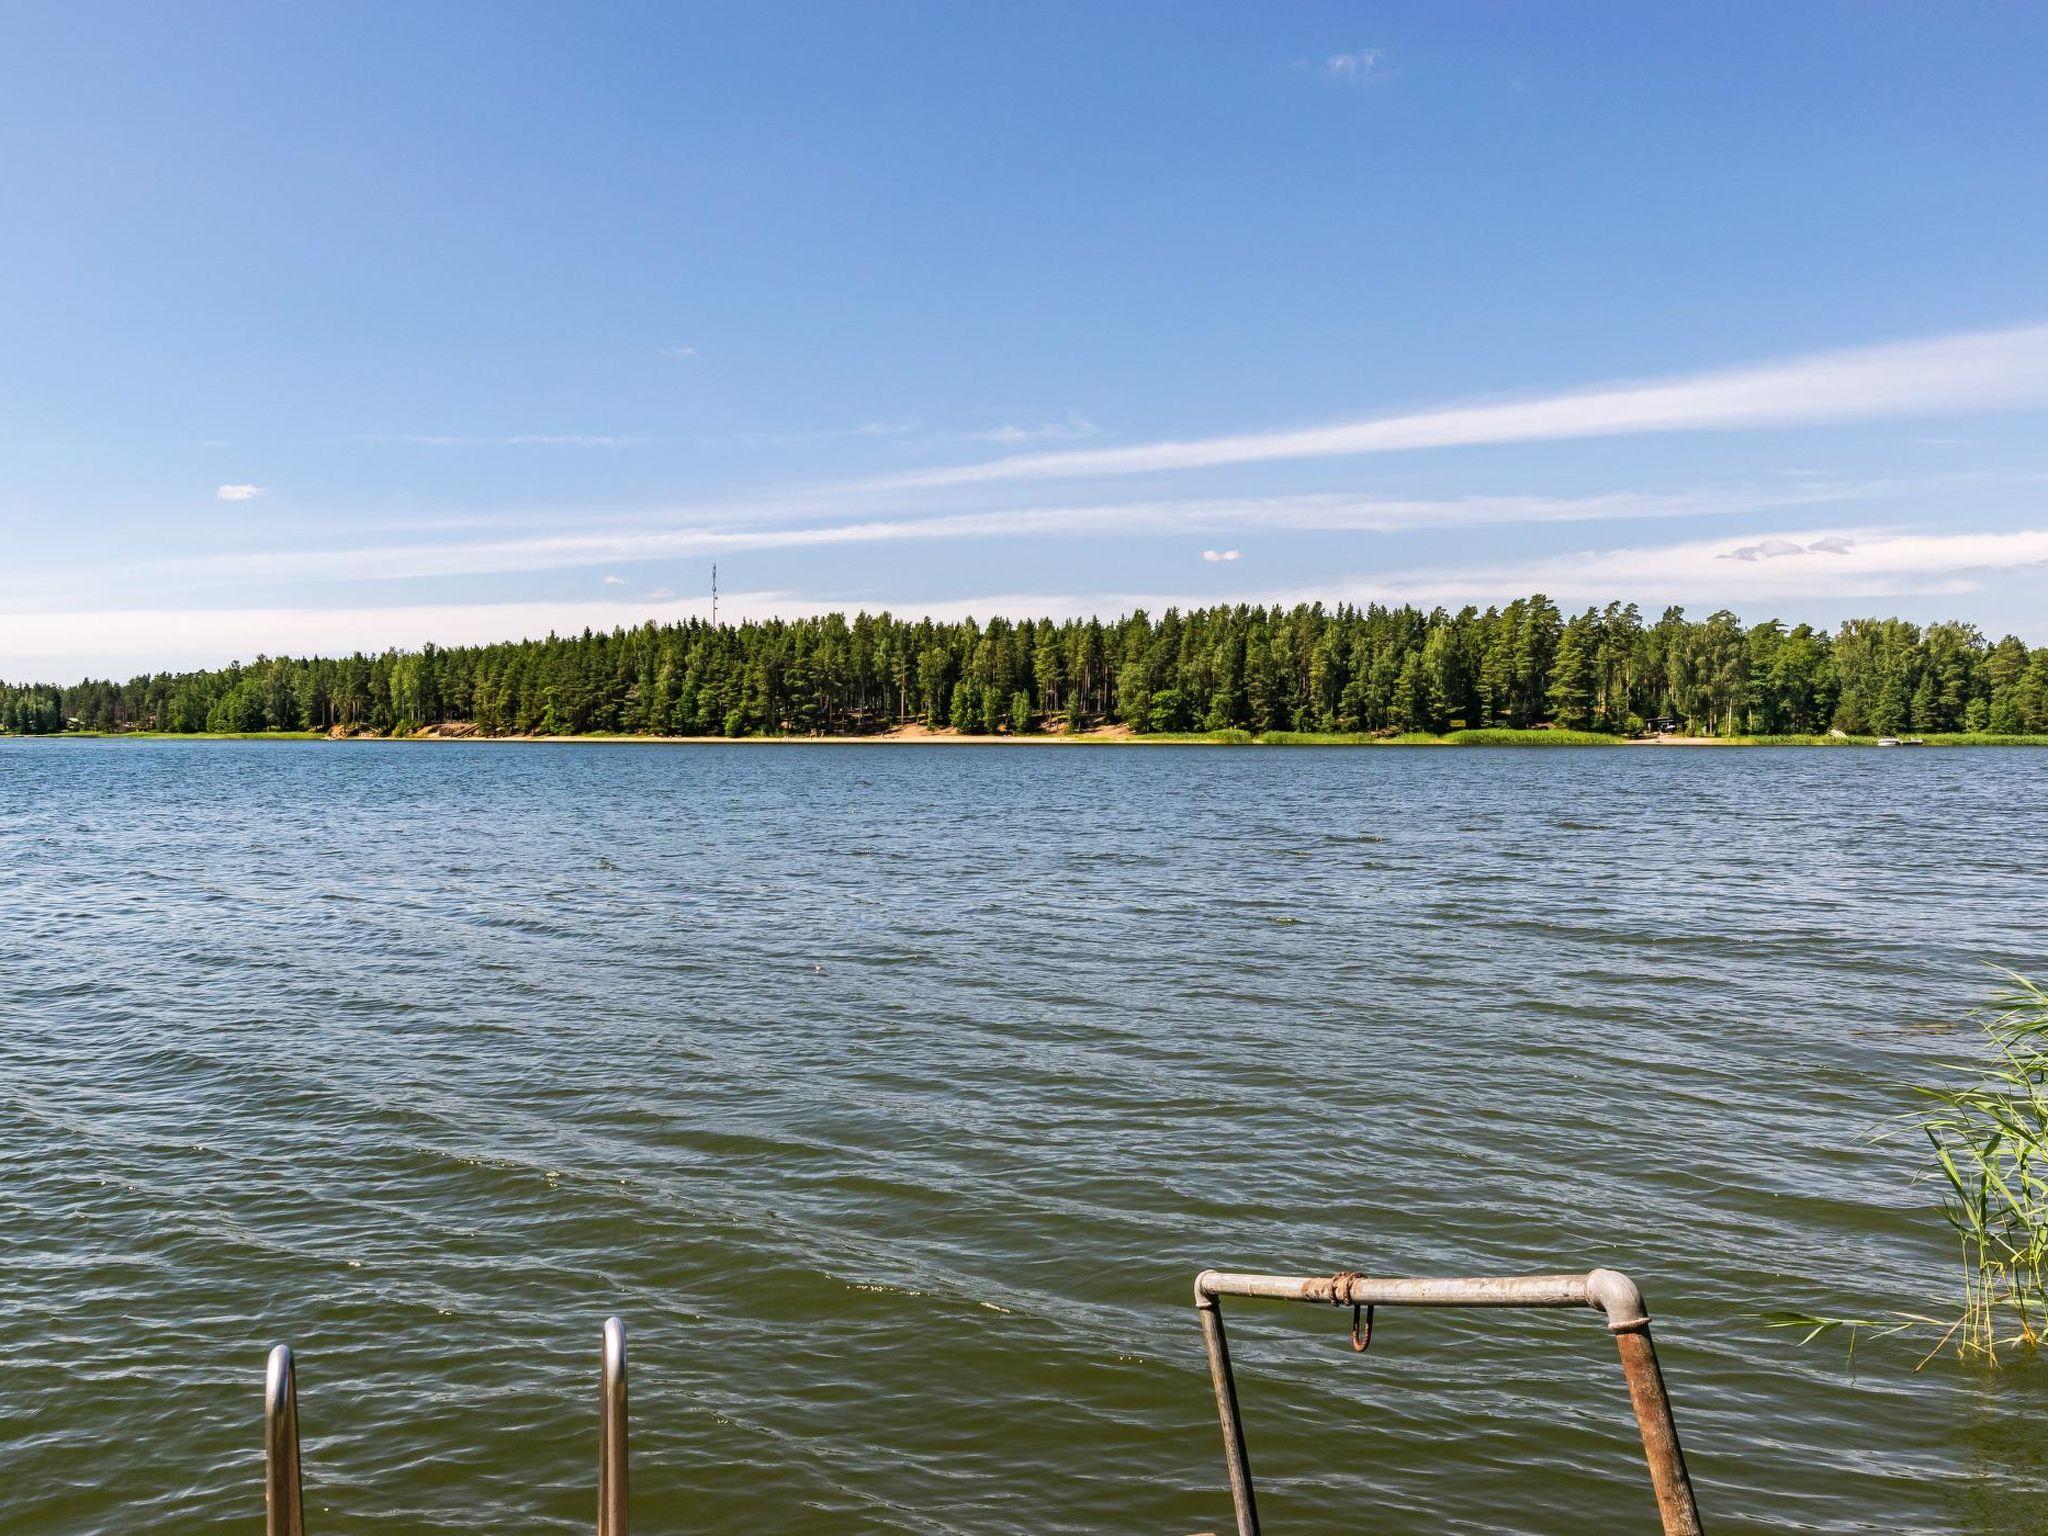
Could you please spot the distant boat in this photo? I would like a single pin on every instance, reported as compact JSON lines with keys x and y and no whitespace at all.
{"x":1887,"y":741}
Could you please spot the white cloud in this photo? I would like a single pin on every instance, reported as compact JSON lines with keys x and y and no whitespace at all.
{"x":678,"y":351}
{"x":1825,"y":563}
{"x":239,"y":492}
{"x":1842,"y":564}
{"x":615,"y":581}
{"x":1778,"y":549}
{"x":1769,"y":549}
{"x":1354,"y":67}
{"x":1324,"y":513}
{"x":517,"y":440}
{"x":820,"y":434}
{"x":1046,"y":432}
{"x":1213,"y":555}
{"x":1981,"y":370}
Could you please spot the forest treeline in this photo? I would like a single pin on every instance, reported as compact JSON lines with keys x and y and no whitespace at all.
{"x":1309,"y":668}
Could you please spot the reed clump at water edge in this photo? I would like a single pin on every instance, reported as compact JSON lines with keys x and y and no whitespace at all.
{"x":1988,"y":1134}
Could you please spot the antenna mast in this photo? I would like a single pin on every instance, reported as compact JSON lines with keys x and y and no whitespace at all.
{"x":714,"y":594}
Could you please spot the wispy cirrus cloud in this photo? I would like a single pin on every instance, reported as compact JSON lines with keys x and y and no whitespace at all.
{"x":1844,"y":564}
{"x":1980,"y":370}
{"x":776,"y":438}
{"x":1823,"y":565}
{"x":1829,"y":563}
{"x":1011,"y":434}
{"x":514,"y":440}
{"x":1312,"y":513}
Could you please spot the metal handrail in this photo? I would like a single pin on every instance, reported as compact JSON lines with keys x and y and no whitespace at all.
{"x":283,"y":1512}
{"x":284,"y":1508}
{"x":612,"y":1512}
{"x":1605,"y":1290}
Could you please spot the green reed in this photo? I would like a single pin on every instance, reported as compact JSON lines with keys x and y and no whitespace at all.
{"x":1557,"y":737}
{"x":1989,"y":1139}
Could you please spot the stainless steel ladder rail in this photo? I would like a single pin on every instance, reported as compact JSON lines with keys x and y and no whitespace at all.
{"x":612,"y":1513}
{"x":1605,"y":1290}
{"x":284,"y":1512}
{"x":283,"y":1501}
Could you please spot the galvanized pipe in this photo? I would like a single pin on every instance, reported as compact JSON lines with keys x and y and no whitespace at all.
{"x":1606,"y":1290}
{"x":1379,"y":1291}
{"x":283,"y":1511}
{"x":612,"y":1511}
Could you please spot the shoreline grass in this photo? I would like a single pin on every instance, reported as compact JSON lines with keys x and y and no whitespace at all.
{"x":1487,"y":737}
{"x":164,"y":736}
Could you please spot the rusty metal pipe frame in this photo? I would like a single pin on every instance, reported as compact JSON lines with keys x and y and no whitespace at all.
{"x":1607,"y":1291}
{"x":283,"y":1511}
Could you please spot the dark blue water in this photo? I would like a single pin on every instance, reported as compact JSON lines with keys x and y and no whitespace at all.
{"x":894,"y":1094}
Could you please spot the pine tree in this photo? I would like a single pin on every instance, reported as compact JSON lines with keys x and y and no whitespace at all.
{"x":1574,"y":679}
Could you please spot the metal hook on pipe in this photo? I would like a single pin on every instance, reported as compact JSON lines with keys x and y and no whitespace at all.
{"x":283,"y":1510}
{"x":1361,"y":1314}
{"x":612,"y":1502}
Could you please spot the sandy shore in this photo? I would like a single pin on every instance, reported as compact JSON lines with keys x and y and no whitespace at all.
{"x":916,"y":736}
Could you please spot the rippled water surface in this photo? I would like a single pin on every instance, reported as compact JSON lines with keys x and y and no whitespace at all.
{"x":894,"y":1094}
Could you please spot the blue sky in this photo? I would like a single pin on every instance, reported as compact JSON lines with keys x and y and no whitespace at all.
{"x":325,"y":328}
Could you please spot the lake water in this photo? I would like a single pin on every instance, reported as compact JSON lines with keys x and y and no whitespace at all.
{"x":894,"y":1095}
